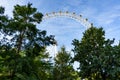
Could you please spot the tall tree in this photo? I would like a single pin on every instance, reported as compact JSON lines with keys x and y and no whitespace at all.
{"x":63,"y":68}
{"x":97,"y":57}
{"x":23,"y":56}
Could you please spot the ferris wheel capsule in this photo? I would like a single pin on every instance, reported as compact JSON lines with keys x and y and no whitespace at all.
{"x":53,"y":12}
{"x":46,"y":14}
{"x":60,"y":11}
{"x":80,"y":15}
{"x":67,"y":12}
{"x":86,"y":19}
{"x":91,"y":24}
{"x":73,"y":12}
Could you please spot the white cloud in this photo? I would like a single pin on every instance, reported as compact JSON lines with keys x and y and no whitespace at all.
{"x":117,"y":7}
{"x":9,"y":5}
{"x":108,"y":16}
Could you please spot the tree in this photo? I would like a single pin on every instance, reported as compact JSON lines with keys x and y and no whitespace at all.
{"x":3,"y":23}
{"x":63,"y":69}
{"x":97,"y":57}
{"x":22,"y":55}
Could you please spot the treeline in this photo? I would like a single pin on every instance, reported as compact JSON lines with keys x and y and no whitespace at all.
{"x":23,"y":51}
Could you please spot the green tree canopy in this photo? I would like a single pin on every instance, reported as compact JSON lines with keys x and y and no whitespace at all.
{"x":22,"y":48}
{"x":98,"y":59}
{"x":63,"y":68}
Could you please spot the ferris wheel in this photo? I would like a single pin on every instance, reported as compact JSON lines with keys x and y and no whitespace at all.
{"x":78,"y":18}
{"x":74,"y":16}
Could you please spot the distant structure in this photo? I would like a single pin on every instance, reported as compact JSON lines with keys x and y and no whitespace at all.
{"x":74,"y":16}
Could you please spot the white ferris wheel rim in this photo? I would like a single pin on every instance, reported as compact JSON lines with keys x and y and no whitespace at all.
{"x":79,"y":18}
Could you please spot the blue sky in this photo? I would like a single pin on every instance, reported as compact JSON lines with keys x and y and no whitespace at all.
{"x":102,"y":13}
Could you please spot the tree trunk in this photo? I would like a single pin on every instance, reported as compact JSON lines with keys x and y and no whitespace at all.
{"x":103,"y":75}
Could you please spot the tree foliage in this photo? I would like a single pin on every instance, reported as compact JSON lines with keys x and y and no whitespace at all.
{"x":98,"y":58}
{"x":63,"y":68}
{"x":22,"y":48}
{"x":23,"y":51}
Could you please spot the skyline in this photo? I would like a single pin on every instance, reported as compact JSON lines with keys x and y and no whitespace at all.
{"x":101,"y":13}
